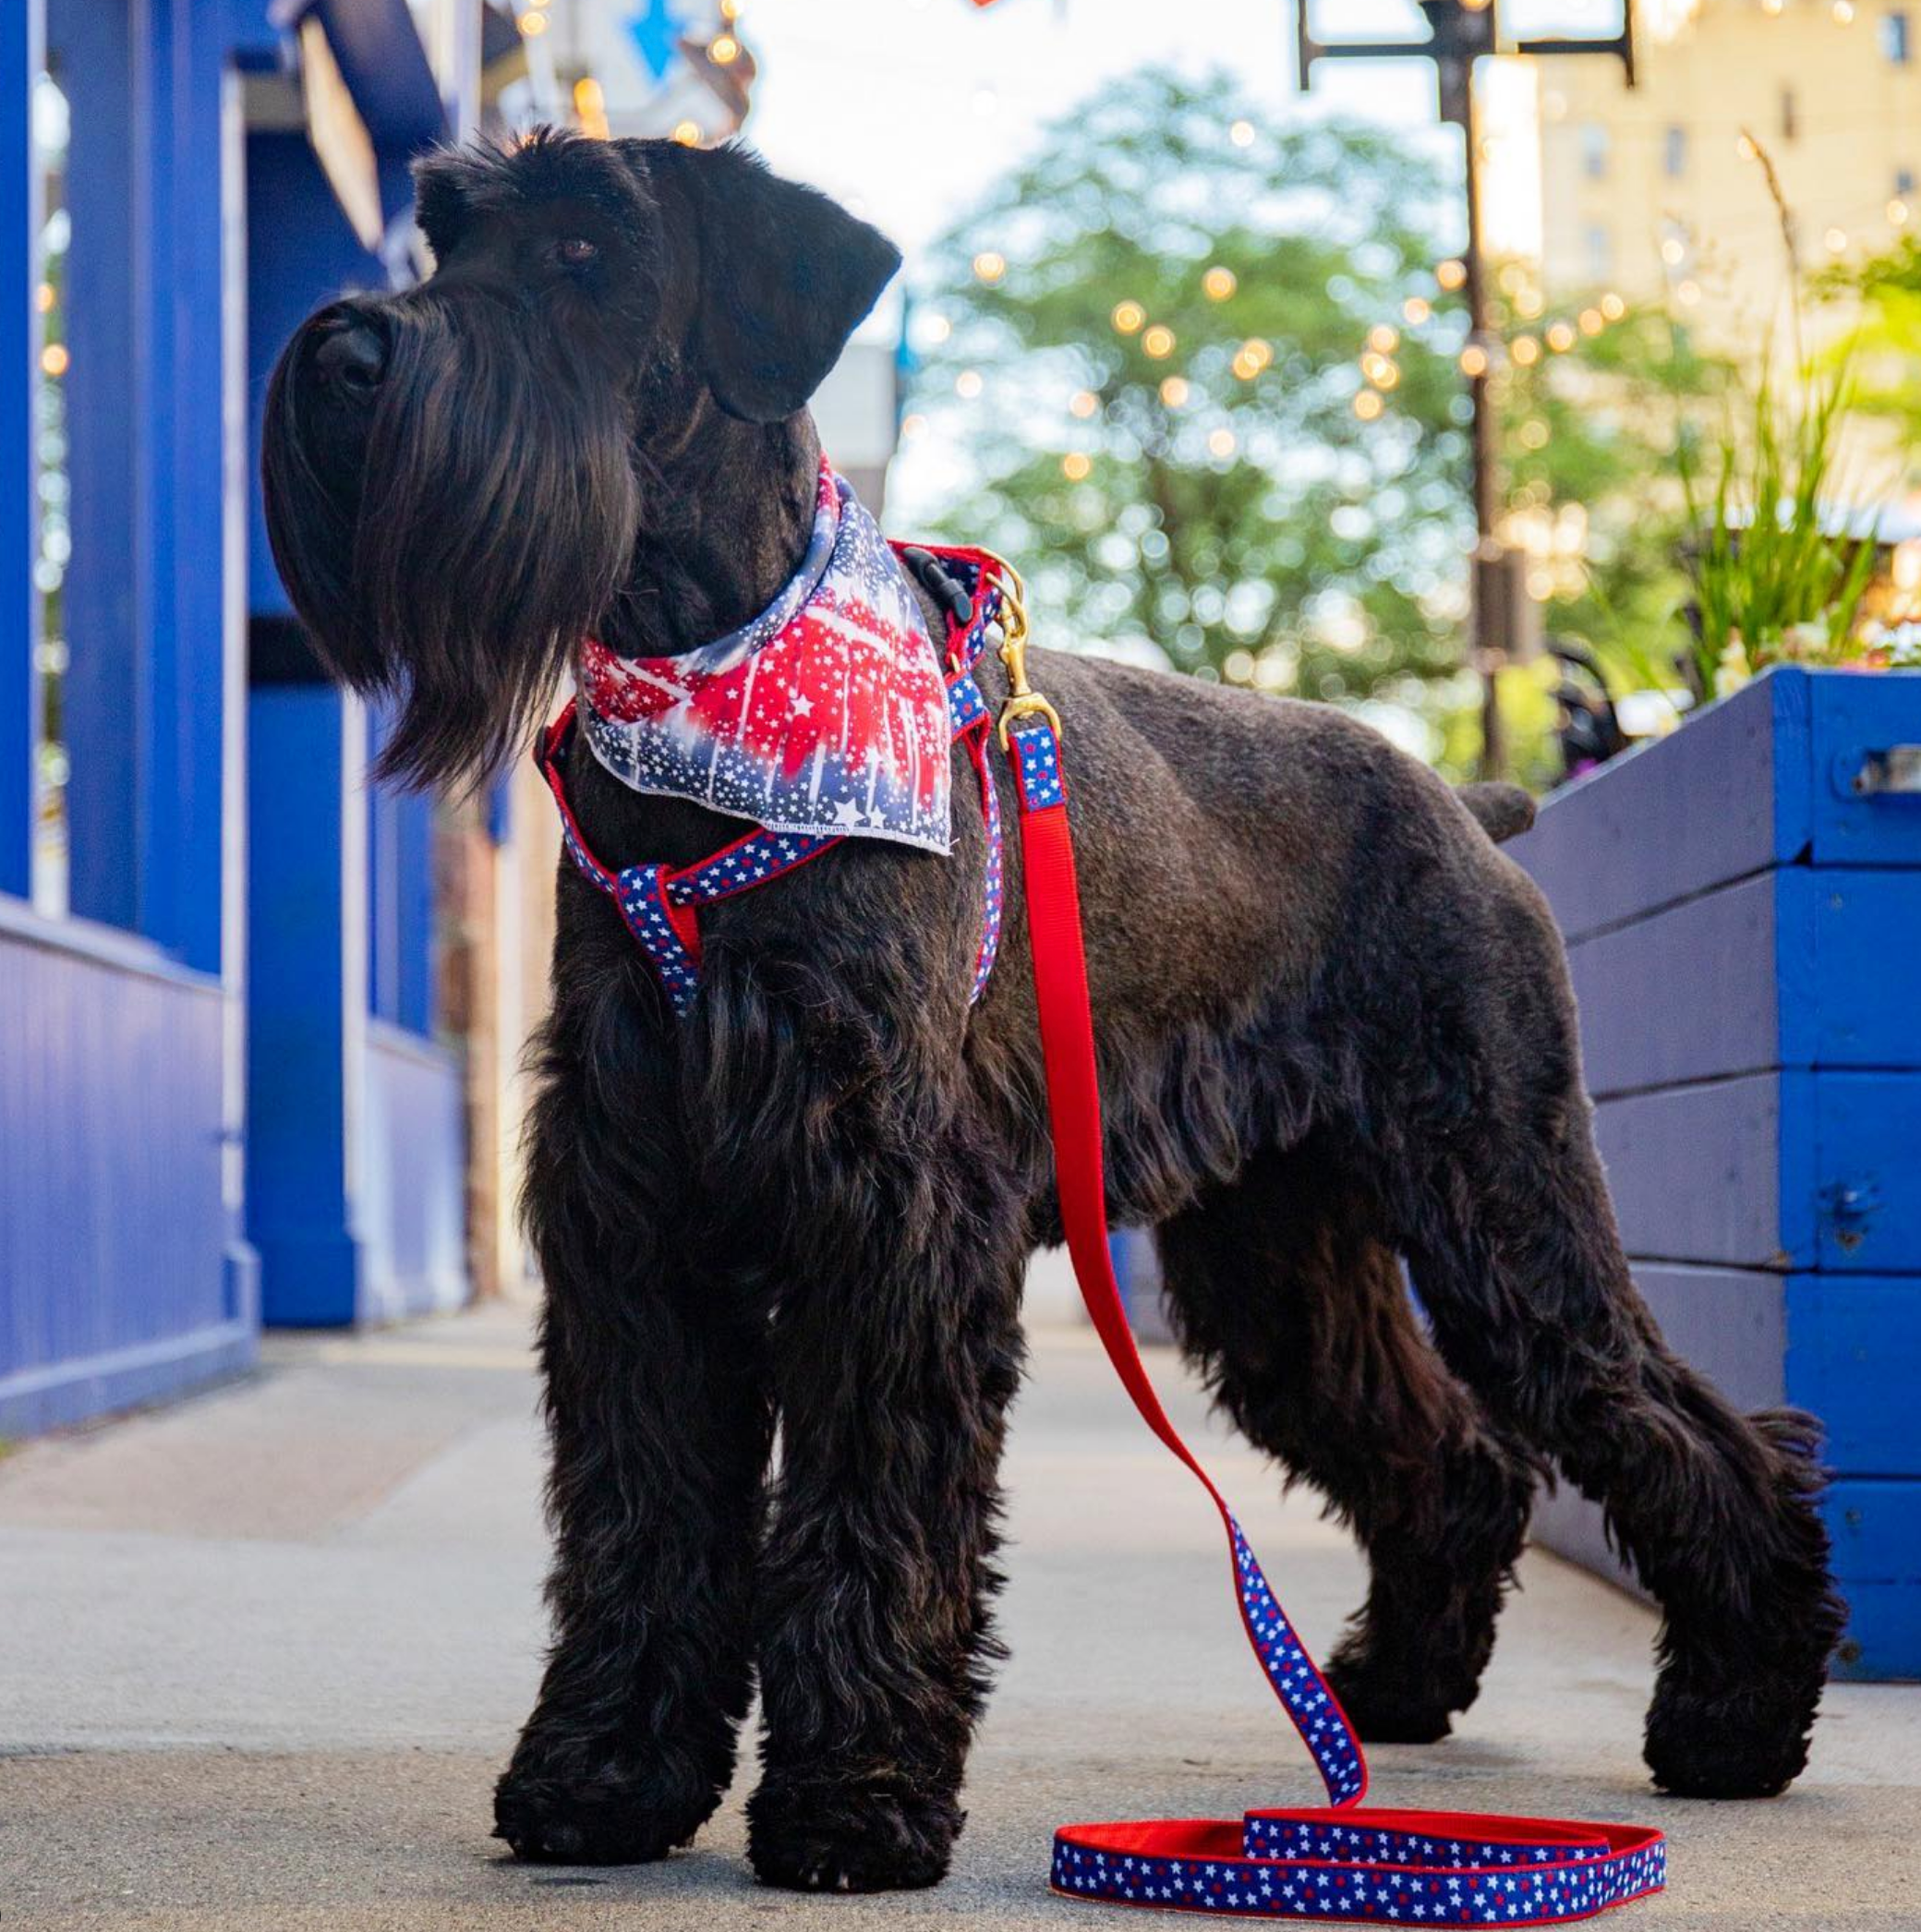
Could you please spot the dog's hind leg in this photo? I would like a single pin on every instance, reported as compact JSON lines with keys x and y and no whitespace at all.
{"x":1286,"y":1295}
{"x":1514,"y":1249}
{"x":895,"y":1361}
{"x":662,"y":1426}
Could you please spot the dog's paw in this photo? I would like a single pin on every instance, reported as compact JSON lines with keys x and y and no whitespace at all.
{"x":608,"y":1815}
{"x":1383,"y":1707}
{"x":816,"y":1835}
{"x":1748,"y":1743}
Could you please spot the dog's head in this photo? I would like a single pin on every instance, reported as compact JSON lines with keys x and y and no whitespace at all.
{"x":457,"y":478}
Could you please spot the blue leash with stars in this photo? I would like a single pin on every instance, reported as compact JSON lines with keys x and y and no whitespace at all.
{"x":1342,"y":1861}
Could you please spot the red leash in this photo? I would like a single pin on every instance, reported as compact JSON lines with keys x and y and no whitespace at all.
{"x":1343,"y":1861}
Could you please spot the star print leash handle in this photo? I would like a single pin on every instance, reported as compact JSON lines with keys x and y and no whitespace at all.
{"x":1342,"y":1861}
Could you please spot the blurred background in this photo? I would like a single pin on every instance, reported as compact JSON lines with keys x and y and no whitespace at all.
{"x":1522,"y":378}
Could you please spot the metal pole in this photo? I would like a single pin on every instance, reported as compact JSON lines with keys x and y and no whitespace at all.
{"x":1485,"y":621}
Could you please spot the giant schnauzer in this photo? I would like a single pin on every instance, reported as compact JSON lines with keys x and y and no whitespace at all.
{"x":1334,"y":1030}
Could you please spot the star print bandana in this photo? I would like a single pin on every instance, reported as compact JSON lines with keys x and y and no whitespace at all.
{"x":826,"y":714}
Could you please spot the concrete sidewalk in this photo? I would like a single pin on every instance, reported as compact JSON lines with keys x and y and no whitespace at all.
{"x":260,"y":1656}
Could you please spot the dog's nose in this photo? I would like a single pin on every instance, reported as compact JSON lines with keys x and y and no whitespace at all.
{"x":352,"y":356}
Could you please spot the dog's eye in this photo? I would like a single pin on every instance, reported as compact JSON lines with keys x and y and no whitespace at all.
{"x":577,"y":251}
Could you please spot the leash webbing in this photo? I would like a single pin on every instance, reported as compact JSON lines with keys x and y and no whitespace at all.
{"x":1342,"y":1861}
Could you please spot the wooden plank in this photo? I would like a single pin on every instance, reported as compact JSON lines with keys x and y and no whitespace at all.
{"x":1863,"y":980}
{"x":1723,"y":798}
{"x":1798,"y":967}
{"x":1866,"y":1131}
{"x":1851,"y":715}
{"x":1883,"y":1642}
{"x":1877,"y":1532}
{"x":1854,"y":1357}
{"x":1704,"y":1173}
{"x":1687,"y":993}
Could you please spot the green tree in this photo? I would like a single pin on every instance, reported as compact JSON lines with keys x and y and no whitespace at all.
{"x":1204,"y":375}
{"x":1154,"y":326}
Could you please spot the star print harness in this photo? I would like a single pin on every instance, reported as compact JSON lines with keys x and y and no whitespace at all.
{"x":830,"y":717}
{"x":1344,"y":1862}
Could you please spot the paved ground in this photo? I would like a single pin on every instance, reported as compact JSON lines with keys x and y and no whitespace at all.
{"x":261,"y":1654}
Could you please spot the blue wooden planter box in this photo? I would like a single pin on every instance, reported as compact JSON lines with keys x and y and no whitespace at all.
{"x":1743,"y":925}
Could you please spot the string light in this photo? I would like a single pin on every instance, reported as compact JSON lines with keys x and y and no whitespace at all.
{"x":1527,"y":304}
{"x":1174,"y":392}
{"x":1612,"y":306}
{"x":1673,"y":251}
{"x":1593,"y":321}
{"x":723,"y":50}
{"x":1689,"y":293}
{"x":1898,"y":212}
{"x":1383,"y":339}
{"x":1128,"y":317}
{"x":590,"y":107}
{"x":1158,"y":341}
{"x":1772,"y":6}
{"x":1525,"y":350}
{"x":1368,"y":404}
{"x":990,"y":265}
{"x":533,"y":25}
{"x":968,"y":385}
{"x":43,"y":294}
{"x":687,"y":133}
{"x":1083,"y":403}
{"x":1415,"y":311}
{"x":1219,"y":283}
{"x":912,"y":426}
{"x":1474,"y":360}
{"x":730,"y":10}
{"x":937,"y":327}
{"x":1843,"y":13}
{"x":1379,"y":370}
{"x":1837,"y":241}
{"x":1560,"y":338}
{"x":1252,"y":357}
{"x":1450,"y":274}
{"x":54,"y":359}
{"x":1076,"y":467}
{"x":1220,"y":443}
{"x":1241,"y":134}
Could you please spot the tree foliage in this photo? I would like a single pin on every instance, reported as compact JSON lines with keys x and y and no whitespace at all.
{"x":1276,"y":489}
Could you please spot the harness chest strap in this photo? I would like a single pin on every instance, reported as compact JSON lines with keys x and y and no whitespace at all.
{"x":1345,"y":1861}
{"x":662,"y":904}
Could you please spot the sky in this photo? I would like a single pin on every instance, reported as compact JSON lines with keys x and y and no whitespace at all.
{"x":905,"y":109}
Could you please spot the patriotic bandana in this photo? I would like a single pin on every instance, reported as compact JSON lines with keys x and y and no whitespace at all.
{"x":826,"y":714}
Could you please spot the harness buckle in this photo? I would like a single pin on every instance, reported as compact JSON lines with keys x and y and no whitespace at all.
{"x":1022,"y":700}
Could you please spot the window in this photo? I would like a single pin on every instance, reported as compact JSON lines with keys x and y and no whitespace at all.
{"x":1594,"y":151}
{"x":1896,"y":44}
{"x":1674,"y":152}
{"x":1600,"y":247}
{"x":1904,"y":183}
{"x":1790,"y":115}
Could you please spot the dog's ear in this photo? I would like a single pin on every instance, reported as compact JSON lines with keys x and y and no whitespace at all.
{"x":786,"y":275}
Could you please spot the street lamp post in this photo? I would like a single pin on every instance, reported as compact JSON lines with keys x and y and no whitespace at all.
{"x":1460,"y":33}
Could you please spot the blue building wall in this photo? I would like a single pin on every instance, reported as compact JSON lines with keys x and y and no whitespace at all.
{"x":220,"y":1095}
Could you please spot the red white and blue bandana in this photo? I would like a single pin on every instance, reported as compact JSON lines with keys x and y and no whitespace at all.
{"x":826,"y":714}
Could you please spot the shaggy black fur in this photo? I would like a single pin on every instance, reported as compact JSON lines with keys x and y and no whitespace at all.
{"x":1338,"y":1031}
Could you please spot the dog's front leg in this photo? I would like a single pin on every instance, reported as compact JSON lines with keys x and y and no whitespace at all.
{"x":894,"y":1372}
{"x":661,"y":1425}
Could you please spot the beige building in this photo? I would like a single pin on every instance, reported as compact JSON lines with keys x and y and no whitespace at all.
{"x":1663,"y":190}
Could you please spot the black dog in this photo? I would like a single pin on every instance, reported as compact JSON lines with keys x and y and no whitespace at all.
{"x":1334,"y":1027}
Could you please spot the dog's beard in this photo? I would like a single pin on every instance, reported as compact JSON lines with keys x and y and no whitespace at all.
{"x":490,"y":524}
